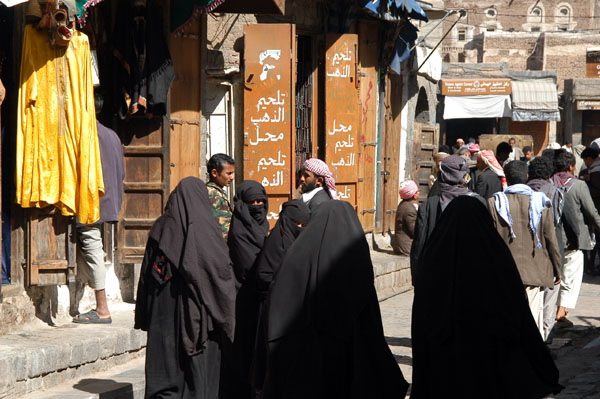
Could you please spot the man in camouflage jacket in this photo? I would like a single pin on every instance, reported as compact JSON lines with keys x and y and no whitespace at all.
{"x":221,"y":170}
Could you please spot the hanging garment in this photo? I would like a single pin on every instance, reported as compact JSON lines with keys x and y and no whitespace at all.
{"x":58,"y":155}
{"x":144,"y":67}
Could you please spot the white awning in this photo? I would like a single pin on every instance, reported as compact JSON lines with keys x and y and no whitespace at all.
{"x":535,"y":101}
{"x":486,"y":106}
{"x":10,"y":3}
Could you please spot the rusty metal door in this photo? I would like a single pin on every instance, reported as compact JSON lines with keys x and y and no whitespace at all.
{"x":426,"y":139}
{"x":342,"y":113}
{"x":146,"y":184}
{"x":269,"y":110}
{"x":368,"y":56}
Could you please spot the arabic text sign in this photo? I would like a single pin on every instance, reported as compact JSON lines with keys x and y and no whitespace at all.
{"x":588,"y":105}
{"x":469,"y":87}
{"x":342,"y":113}
{"x":592,"y":63}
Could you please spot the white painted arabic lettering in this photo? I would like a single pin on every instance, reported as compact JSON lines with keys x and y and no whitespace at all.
{"x":345,"y":161}
{"x":264,"y":162}
{"x":276,"y":182}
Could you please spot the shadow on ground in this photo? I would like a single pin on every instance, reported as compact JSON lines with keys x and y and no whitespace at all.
{"x":397,"y":341}
{"x":104,"y":388}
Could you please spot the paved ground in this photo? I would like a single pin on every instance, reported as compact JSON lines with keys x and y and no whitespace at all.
{"x":577,"y":352}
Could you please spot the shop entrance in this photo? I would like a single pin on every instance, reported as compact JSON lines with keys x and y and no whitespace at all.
{"x":590,"y":126}
{"x":466,"y":128}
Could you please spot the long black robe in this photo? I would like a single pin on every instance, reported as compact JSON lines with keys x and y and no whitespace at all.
{"x":325,"y":331}
{"x":473,"y":334}
{"x":247,"y":234}
{"x":186,"y":297}
{"x":282,"y":236}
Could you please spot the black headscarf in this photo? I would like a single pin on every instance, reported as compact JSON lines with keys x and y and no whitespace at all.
{"x":249,"y":227}
{"x":284,"y":233}
{"x":452,"y":177}
{"x":324,"y":325}
{"x":189,"y":236}
{"x":477,"y":343}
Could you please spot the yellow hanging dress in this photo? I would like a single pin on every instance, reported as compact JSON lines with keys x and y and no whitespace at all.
{"x":58,"y":155}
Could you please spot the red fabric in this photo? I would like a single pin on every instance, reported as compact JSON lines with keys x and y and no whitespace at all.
{"x":320,"y":168}
{"x":490,"y":160}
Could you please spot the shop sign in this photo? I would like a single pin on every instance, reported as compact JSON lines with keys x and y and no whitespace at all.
{"x":588,"y":105}
{"x":592,"y":63}
{"x":470,"y":87}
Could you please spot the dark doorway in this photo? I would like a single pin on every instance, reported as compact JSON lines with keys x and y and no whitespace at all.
{"x":304,"y":99}
{"x":422,"y":110}
{"x":465,"y":128}
{"x":591,"y":126}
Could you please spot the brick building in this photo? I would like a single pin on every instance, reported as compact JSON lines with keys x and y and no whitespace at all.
{"x":533,"y":36}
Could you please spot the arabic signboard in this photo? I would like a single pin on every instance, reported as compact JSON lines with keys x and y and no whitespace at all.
{"x":470,"y":87}
{"x":588,"y":105}
{"x":592,"y":63}
{"x":268,"y":106}
{"x":342,"y":113}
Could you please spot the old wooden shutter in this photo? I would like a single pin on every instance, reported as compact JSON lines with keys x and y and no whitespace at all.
{"x":146,"y":185}
{"x":342,"y":113}
{"x":49,"y":247}
{"x":391,"y":151}
{"x":426,"y":138}
{"x":269,"y":110}
{"x":368,"y":55}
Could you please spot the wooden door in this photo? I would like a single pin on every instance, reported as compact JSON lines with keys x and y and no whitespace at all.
{"x":426,"y":139}
{"x":146,"y":184}
{"x":49,"y":247}
{"x":342,"y":113}
{"x":391,"y":151}
{"x":185,"y":135}
{"x":269,"y":110}
{"x":368,"y":56}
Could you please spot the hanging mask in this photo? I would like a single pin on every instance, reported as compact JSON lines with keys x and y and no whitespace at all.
{"x":63,"y":31}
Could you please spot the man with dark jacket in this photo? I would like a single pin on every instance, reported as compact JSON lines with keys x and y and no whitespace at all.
{"x":523,"y":218}
{"x":578,"y":211}
{"x":489,"y":178}
{"x":591,"y":175}
{"x":406,"y":217}
{"x":451,"y":179}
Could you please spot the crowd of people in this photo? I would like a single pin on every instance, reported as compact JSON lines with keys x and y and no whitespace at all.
{"x":233,"y":311}
{"x":545,"y":209}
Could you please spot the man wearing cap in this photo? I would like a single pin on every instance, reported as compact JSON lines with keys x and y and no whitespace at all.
{"x":452,"y":184}
{"x":316,"y":183}
{"x":406,"y":217}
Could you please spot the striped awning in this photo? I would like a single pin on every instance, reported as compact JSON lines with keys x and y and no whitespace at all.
{"x":535,"y":100}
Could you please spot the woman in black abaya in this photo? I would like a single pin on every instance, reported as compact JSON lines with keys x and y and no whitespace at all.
{"x":185,"y":297}
{"x":247,"y":235}
{"x":325,"y":333}
{"x":473,"y":335}
{"x":293,"y":217}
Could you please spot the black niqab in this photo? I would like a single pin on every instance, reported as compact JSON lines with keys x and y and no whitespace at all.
{"x":324,"y":325}
{"x":189,"y":236}
{"x":249,"y":227}
{"x":284,"y":233}
{"x":467,"y":339}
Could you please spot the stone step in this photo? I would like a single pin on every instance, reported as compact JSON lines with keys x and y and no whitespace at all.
{"x":42,"y":357}
{"x":121,"y":382}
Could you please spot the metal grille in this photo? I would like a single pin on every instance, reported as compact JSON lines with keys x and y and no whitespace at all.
{"x":304,"y":100}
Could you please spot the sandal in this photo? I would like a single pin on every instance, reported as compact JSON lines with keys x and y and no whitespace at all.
{"x":91,"y":317}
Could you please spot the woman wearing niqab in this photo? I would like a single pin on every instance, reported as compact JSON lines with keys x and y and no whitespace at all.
{"x":472,"y":343}
{"x":293,"y":218}
{"x":186,"y":297}
{"x":325,"y":333}
{"x":247,"y":235}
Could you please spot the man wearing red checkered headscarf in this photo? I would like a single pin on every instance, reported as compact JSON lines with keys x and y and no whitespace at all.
{"x":317,"y":183}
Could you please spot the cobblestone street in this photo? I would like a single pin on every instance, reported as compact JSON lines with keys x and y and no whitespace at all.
{"x":577,"y":349}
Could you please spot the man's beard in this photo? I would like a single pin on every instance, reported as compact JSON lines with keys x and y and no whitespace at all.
{"x":309,"y":187}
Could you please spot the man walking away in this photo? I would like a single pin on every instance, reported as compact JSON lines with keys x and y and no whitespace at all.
{"x":578,"y":211}
{"x":90,"y":254}
{"x":452,"y":184}
{"x":591,"y":175}
{"x":317,"y":183}
{"x":221,"y":172}
{"x":523,"y":218}
{"x":490,"y":178}
{"x":540,"y":170}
